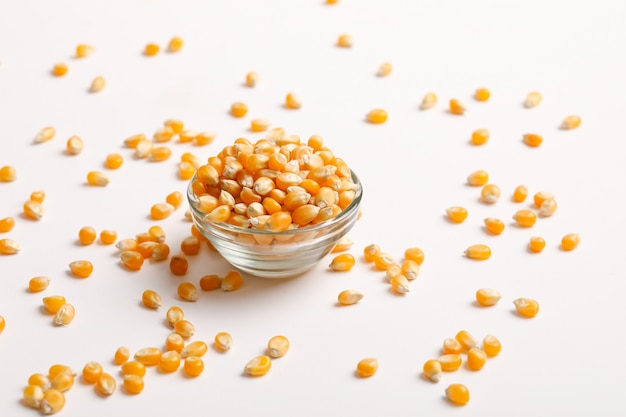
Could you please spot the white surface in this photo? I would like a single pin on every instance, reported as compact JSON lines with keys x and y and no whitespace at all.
{"x":563,"y":362}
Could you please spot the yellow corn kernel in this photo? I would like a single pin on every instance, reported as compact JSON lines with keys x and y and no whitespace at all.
{"x":108,"y":237}
{"x":174,"y":342}
{"x":480,"y":137}
{"x":410,"y":269}
{"x":345,"y":41}
{"x":349,"y":297}
{"x":97,"y":84}
{"x":38,"y":196}
{"x":520,"y":193}
{"x":151,"y":49}
{"x":121,"y":355}
{"x":187,"y":291}
{"x":170,"y":361}
{"x":232,"y":281}
{"x":456,"y":214}
{"x":450,"y":362}
{"x":210,"y":282}
{"x":175,"y":125}
{"x":532,"y":139}
{"x":493,"y":225}
{"x":97,"y":179}
{"x":151,"y":299}
{"x":193,"y":366}
{"x":87,"y":235}
{"x":131,"y":259}
{"x":377,"y":116}
{"x":570,"y":241}
{"x":491,"y":345}
{"x":184,"y":328}
{"x":414,"y":254}
{"x":259,"y":125}
{"x":3,"y":324}
{"x":204,"y":138}
{"x":113,"y":161}
{"x":150,"y":356}
{"x":219,"y":214}
{"x":134,"y":140}
{"x":161,"y":211}
{"x":58,"y":368}
{"x":366,"y":367}
{"x":570,"y":122}
{"x":478,"y":178}
{"x":384,"y":69}
{"x":62,"y":381}
{"x":7,"y":224}
{"x":532,"y":99}
{"x":536,"y":244}
{"x":383,"y":260}
{"x":190,"y":245}
{"x":455,"y":107}
{"x":133,"y":368}
{"x":432,"y":370}
{"x":143,"y":149}
{"x":9,"y":247}
{"x":476,"y":359}
{"x":451,"y":346}
{"x":74,"y":145}
{"x":33,"y":210}
{"x":133,"y":384}
{"x":487,"y":297}
{"x":45,"y":134}
{"x":277,"y":346}
{"x":81,"y":268}
{"x":175,"y":44}
{"x":238,"y":109}
{"x":53,"y":303}
{"x":548,"y":207}
{"x":525,"y":218}
{"x":64,"y":315}
{"x":59,"y":70}
{"x":540,"y":197}
{"x":258,"y":366}
{"x":164,"y":134}
{"x":332,"y":1}
{"x":478,"y":252}
{"x":466,"y":340}
{"x":342,"y":245}
{"x":91,"y":372}
{"x":197,"y":348}
{"x":40,"y":380}
{"x":526,"y":307}
{"x":37,"y":284}
{"x":174,"y":198}
{"x":174,"y":314}
{"x":52,"y":402}
{"x":292,"y":101}
{"x":399,"y":284}
{"x":32,"y":396}
{"x":429,"y":101}
{"x":106,"y":384}
{"x":457,"y":394}
{"x":490,"y":194}
{"x":252,"y":78}
{"x":160,"y":154}
{"x":83,"y":50}
{"x":343,"y":262}
{"x":482,"y":94}
{"x":186,"y":170}
{"x":223,"y":341}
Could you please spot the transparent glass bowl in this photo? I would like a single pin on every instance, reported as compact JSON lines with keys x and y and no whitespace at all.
{"x":276,"y":254}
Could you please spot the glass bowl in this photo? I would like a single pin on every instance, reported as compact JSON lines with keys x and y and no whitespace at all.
{"x":276,"y":254}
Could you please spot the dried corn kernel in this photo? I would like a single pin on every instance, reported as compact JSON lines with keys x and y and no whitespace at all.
{"x":429,"y":101}
{"x":83,"y":50}
{"x":121,"y":355}
{"x":414,"y":254}
{"x":532,"y":99}
{"x":38,"y":196}
{"x":161,"y":211}
{"x":91,"y":372}
{"x":134,"y":367}
{"x":74,"y":145}
{"x":456,"y":107}
{"x":52,"y":402}
{"x":343,"y":262}
{"x":457,"y":394}
{"x":159,"y":154}
{"x":478,"y":178}
{"x":432,"y":370}
{"x":383,"y":260}
{"x":490,"y":194}
{"x":525,"y":218}
{"x":174,"y":314}
{"x":366,"y":367}
{"x":193,"y":366}
{"x":170,"y":361}
{"x":59,"y":70}
{"x":277,"y":346}
{"x":37,"y":284}
{"x":478,"y":252}
{"x":133,"y":384}
{"x":542,"y":196}
{"x":238,"y":109}
{"x":134,"y":140}
{"x":377,"y":116}
{"x":482,"y":94}
{"x":260,"y":125}
{"x":384,"y":69}
{"x":450,"y":362}
{"x":150,"y":356}
{"x":570,"y":241}
{"x":87,"y":235}
{"x":33,"y":210}
{"x":548,"y":207}
{"x":151,"y":49}
{"x":174,"y":342}
{"x":223,"y":341}
{"x":3,"y":324}
{"x":184,"y":328}
{"x":32,"y":396}
{"x":258,"y":366}
{"x":345,"y":41}
{"x":252,"y":78}
{"x":210,"y":282}
{"x":520,"y":193}
{"x":292,"y":101}
{"x":113,"y":161}
{"x":491,"y":345}
{"x":349,"y":297}
{"x":132,"y":259}
{"x":570,"y":122}
{"x":451,"y":346}
{"x":64,"y":315}
{"x":204,"y":138}
{"x":480,"y":137}
{"x":97,"y":84}
{"x":536,"y":244}
{"x":7,"y":224}
{"x":106,"y":384}
{"x":197,"y":348}
{"x":342,"y":245}
{"x":526,"y":307}
{"x":81,"y":269}
{"x":410,"y":269}
{"x":456,"y":214}
{"x":108,"y":237}
{"x":493,"y":225}
{"x":9,"y":247}
{"x":175,"y":44}
{"x":466,"y":340}
{"x":487,"y":297}
{"x":232,"y":281}
{"x":45,"y":134}
{"x":400,"y":284}
{"x":533,"y":140}
{"x":151,"y":299}
{"x":97,"y":179}
{"x":187,"y":291}
{"x":476,"y":359}
{"x":190,"y":245}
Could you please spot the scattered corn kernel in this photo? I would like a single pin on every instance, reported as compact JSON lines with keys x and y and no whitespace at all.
{"x":121,"y":355}
{"x":64,"y":315}
{"x":232,"y":281}
{"x":476,"y":359}
{"x":533,"y":140}
{"x":184,"y":328}
{"x":457,"y":394}
{"x":193,"y":366}
{"x":210,"y":282}
{"x":432,"y":370}
{"x":204,"y":138}
{"x":466,"y":340}
{"x":91,"y":372}
{"x":59,"y":70}
{"x":277,"y":346}
{"x":97,"y":84}
{"x":160,"y":154}
{"x":238,"y":109}
{"x":113,"y":161}
{"x":536,"y":244}
{"x":429,"y":101}
{"x":343,"y":262}
{"x":87,"y":235}
{"x":97,"y":179}
{"x":81,"y":268}
{"x":478,"y":252}
{"x":7,"y":224}
{"x":480,"y":137}
{"x":45,"y":134}
{"x":52,"y":402}
{"x":377,"y":116}
{"x":548,"y":207}
{"x":252,"y":78}
{"x":174,"y":342}
{"x":450,"y":362}
{"x":170,"y":361}
{"x":33,"y":210}
{"x":74,"y":145}
{"x":83,"y":50}
{"x":258,"y":366}
{"x":343,"y":245}
{"x":525,"y":218}
{"x":190,"y":245}
{"x":37,"y":284}
{"x":133,"y":367}
{"x":133,"y":384}
{"x":490,"y":194}
{"x":456,"y":107}
{"x":187,"y":291}
{"x":526,"y":307}
{"x":292,"y":101}
{"x":456,"y":214}
{"x":410,"y":269}
{"x":570,"y":122}
{"x":414,"y":254}
{"x":9,"y":247}
{"x":478,"y":178}
{"x":260,"y":125}
{"x":151,"y":49}
{"x":108,"y":237}
{"x":161,"y":211}
{"x":197,"y":348}
{"x":540,"y":197}
{"x":38,"y":196}
{"x":482,"y":94}
{"x":33,"y":396}
{"x":520,"y":193}
{"x":106,"y":384}
{"x":132,"y":259}
{"x":151,"y":299}
{"x":532,"y":99}
{"x":175,"y":44}
{"x":493,"y":225}
{"x":150,"y":356}
{"x":367,"y":367}
{"x":173,"y":315}
{"x":451,"y":346}
{"x":400,"y":284}
{"x":223,"y":341}
{"x":491,"y":345}
{"x":384,"y":69}
{"x":487,"y":297}
{"x":345,"y":41}
{"x":570,"y":241}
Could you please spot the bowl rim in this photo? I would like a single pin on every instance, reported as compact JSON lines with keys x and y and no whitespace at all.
{"x":350,"y":209}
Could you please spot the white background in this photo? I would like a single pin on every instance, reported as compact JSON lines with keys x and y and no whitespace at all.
{"x":567,"y":361}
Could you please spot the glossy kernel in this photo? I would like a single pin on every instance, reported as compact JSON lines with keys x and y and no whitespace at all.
{"x":570,"y":241}
{"x":478,"y":252}
{"x":457,"y":394}
{"x":277,"y":346}
{"x":343,"y":262}
{"x":367,"y":367}
{"x":526,"y":307}
{"x":487,"y":297}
